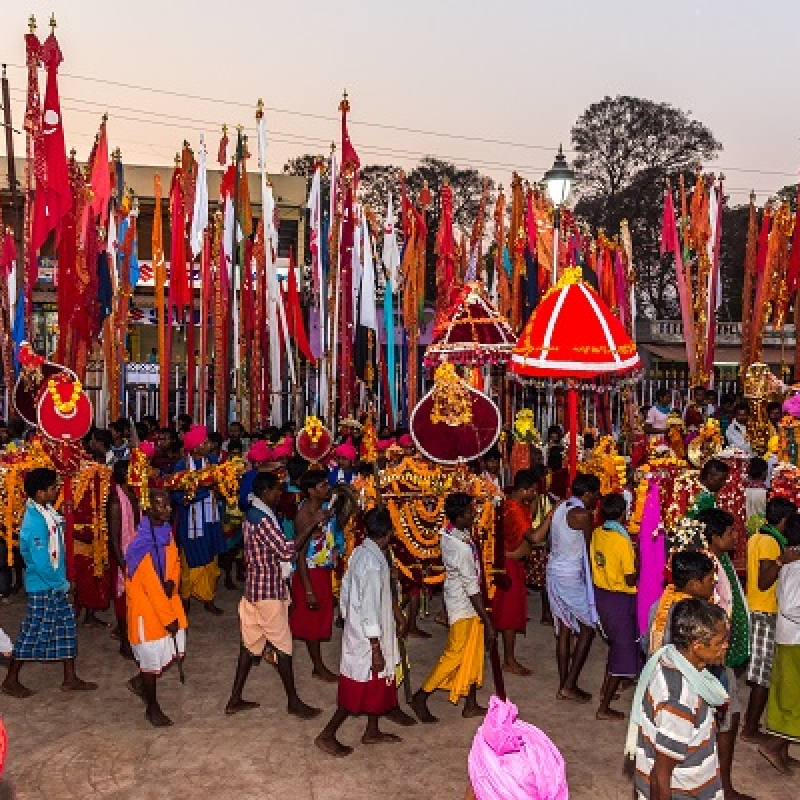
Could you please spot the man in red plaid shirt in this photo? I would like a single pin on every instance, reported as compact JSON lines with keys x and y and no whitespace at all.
{"x":264,"y":609}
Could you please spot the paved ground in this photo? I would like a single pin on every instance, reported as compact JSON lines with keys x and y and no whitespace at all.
{"x":99,"y":745}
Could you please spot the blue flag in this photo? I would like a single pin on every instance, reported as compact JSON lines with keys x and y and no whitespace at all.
{"x":388,"y":323}
{"x":18,"y":330}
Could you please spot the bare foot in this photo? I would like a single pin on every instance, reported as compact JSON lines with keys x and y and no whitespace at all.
{"x":157,"y":718}
{"x":759,"y":737}
{"x":515,"y":668}
{"x":473,"y":711}
{"x":77,"y":685}
{"x":399,"y":717}
{"x":574,"y":695}
{"x":380,"y":738}
{"x":297,"y":708}
{"x":333,"y":747}
{"x":16,"y":689}
{"x":134,"y":685}
{"x":418,"y":633}
{"x":212,"y":609}
{"x":609,"y":713}
{"x":325,"y":675}
{"x":419,"y":705}
{"x":776,"y":761}
{"x":235,"y":706}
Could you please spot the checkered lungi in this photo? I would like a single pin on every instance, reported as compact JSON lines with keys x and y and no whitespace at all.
{"x":762,"y":647}
{"x":48,"y":630}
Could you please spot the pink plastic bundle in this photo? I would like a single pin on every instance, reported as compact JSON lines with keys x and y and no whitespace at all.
{"x":511,"y":759}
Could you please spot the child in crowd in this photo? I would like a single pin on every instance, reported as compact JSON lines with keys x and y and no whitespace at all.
{"x":755,"y":493}
{"x":615,"y":573}
{"x":783,"y":706}
{"x":48,"y":630}
{"x":156,"y":618}
{"x":765,"y":557}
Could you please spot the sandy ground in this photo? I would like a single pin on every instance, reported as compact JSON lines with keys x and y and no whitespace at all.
{"x":99,"y":744}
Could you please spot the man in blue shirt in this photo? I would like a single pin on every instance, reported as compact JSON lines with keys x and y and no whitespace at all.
{"x":48,"y":630}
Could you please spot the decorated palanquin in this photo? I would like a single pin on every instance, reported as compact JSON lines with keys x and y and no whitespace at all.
{"x":414,"y":493}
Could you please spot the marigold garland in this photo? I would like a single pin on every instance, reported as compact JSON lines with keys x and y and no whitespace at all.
{"x":65,"y":407}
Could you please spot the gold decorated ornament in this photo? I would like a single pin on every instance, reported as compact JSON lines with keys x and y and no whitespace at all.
{"x":524,"y":428}
{"x":65,"y":407}
{"x":759,"y":382}
{"x":607,"y":464}
{"x":451,"y":398}
{"x":314,"y":429}
{"x":706,"y":444}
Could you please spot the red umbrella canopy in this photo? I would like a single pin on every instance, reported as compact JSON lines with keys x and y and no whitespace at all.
{"x":572,"y":334}
{"x":472,"y":331}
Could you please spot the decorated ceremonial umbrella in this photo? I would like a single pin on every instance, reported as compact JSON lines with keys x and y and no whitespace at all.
{"x":572,"y":335}
{"x":472,"y":332}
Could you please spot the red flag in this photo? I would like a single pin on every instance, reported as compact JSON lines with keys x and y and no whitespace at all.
{"x":669,"y":233}
{"x":179,"y":292}
{"x":793,"y":273}
{"x":53,"y":194}
{"x":349,"y":156}
{"x":763,"y":242}
{"x":294,"y":315}
{"x":101,"y":177}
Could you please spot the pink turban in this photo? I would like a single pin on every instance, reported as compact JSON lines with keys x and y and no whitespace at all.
{"x":284,"y":449}
{"x":260,"y":452}
{"x":384,"y":444}
{"x":346,"y":450}
{"x":405,"y":441}
{"x":194,"y":437}
{"x":791,"y":405}
{"x":147,"y":449}
{"x":511,"y":759}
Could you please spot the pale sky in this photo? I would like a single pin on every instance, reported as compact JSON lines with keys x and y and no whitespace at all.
{"x":515,"y":71}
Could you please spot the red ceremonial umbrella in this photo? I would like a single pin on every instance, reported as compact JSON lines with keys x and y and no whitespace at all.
{"x":472,"y":331}
{"x":572,"y":335}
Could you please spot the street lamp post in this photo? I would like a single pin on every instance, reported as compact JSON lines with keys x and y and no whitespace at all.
{"x":559,"y":179}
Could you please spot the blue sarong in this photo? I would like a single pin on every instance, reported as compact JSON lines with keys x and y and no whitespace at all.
{"x":48,"y":630}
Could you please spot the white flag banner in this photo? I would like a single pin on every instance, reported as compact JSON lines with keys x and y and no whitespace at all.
{"x":367,"y":315}
{"x":391,"y":250}
{"x":200,"y":214}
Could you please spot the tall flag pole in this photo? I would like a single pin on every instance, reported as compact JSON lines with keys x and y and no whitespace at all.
{"x":335,"y":223}
{"x":714,"y":281}
{"x":319,"y":346}
{"x":391,"y":264}
{"x":33,"y":128}
{"x":160,"y":281}
{"x":349,"y":181}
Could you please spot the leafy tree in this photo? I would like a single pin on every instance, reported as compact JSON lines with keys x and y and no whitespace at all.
{"x":627,"y":147}
{"x":789,"y":194}
{"x":374,"y":184}
{"x":304,"y":166}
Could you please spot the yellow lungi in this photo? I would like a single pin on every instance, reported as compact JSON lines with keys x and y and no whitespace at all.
{"x":461,"y":664}
{"x":265,"y":622}
{"x":199,"y":583}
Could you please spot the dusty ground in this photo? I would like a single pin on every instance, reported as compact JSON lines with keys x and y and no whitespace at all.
{"x":99,"y":745}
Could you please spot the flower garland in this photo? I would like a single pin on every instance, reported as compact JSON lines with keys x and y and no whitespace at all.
{"x":224,"y":477}
{"x":314,"y":429}
{"x":65,"y":407}
{"x":639,"y":497}
{"x":606,"y":463}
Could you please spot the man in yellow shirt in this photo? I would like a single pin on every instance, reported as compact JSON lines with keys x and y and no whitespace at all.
{"x":765,"y":557}
{"x":615,"y":574}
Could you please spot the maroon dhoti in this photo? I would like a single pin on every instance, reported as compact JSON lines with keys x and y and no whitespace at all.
{"x":309,"y":624}
{"x":376,"y":696}
{"x":510,"y":606}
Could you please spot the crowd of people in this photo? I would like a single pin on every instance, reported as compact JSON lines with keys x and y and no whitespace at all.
{"x":709,"y":632}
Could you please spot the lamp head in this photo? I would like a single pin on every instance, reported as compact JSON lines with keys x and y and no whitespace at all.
{"x":559,"y":179}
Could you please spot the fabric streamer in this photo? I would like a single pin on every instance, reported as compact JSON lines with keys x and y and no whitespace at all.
{"x":652,"y":554}
{"x":511,"y":759}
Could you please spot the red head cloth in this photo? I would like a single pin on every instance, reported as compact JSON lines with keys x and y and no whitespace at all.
{"x":385,"y":444}
{"x":64,"y":411}
{"x":194,"y":437}
{"x":284,"y":449}
{"x":346,"y":450}
{"x":147,"y":449}
{"x":260,"y":453}
{"x":405,"y":441}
